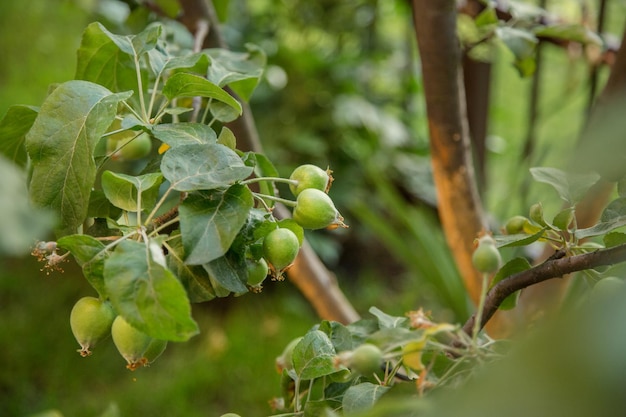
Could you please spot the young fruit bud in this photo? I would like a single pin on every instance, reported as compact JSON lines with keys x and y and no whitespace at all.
{"x":536,"y":214}
{"x":90,"y":320}
{"x":315,"y":210}
{"x":130,"y":148}
{"x":257,"y":272}
{"x":309,"y":176}
{"x":515,"y":225}
{"x":130,"y":342}
{"x":365,"y":359}
{"x":280,"y":248}
{"x":486,"y":257}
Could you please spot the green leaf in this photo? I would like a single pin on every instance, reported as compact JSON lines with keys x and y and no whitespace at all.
{"x":194,"y":278}
{"x":106,"y":59}
{"x":339,"y":335}
{"x":563,"y":219}
{"x":61,"y":144}
{"x":190,"y":85}
{"x":512,"y":267}
{"x":505,"y":241}
{"x":571,"y":32}
{"x":571,"y":187}
{"x":13,"y":128}
{"x":615,"y":209}
{"x":210,"y":221}
{"x":614,"y":239}
{"x":100,"y":206}
{"x":90,"y":255}
{"x":263,"y":167}
{"x":227,"y":138}
{"x":176,"y":134}
{"x":362,"y":397}
{"x":197,"y":62}
{"x":240,"y":70}
{"x":387,"y":321}
{"x":613,"y":217}
{"x":314,"y":356}
{"x":20,"y":223}
{"x":522,"y":44}
{"x":229,"y":271}
{"x":146,"y":293}
{"x":123,"y":190}
{"x":203,"y":167}
{"x":146,"y":40}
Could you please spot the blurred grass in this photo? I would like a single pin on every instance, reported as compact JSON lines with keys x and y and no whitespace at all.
{"x":229,"y":366}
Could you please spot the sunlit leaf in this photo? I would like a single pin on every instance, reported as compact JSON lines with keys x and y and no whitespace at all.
{"x":210,"y":221}
{"x":175,"y":134}
{"x":313,"y":356}
{"x":61,"y":144}
{"x":106,"y":59}
{"x":240,"y":70}
{"x":203,"y":167}
{"x":148,"y":294}
{"x":13,"y":128}
{"x":571,"y":32}
{"x":190,"y":85}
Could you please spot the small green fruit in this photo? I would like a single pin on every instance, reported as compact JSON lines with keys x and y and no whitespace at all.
{"x":131,"y":147}
{"x":130,"y":342}
{"x":280,"y":248}
{"x":90,"y":320}
{"x":309,"y":176}
{"x":515,"y":225}
{"x":536,"y":214}
{"x":608,"y":288}
{"x":366,"y":359}
{"x":315,"y":210}
{"x":486,"y":257}
{"x":257,"y":272}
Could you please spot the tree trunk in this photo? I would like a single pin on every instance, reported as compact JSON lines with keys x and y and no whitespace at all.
{"x":459,"y":206}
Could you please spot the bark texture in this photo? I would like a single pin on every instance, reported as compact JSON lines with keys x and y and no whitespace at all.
{"x":460,"y":209}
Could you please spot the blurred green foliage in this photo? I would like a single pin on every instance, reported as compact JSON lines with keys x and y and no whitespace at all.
{"x":341,"y":89}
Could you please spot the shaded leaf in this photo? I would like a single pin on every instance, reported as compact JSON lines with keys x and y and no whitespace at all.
{"x":210,"y":221}
{"x":571,"y":187}
{"x":362,"y":397}
{"x":387,"y":321}
{"x":61,"y":144}
{"x":90,"y":254}
{"x":203,"y":167}
{"x":194,"y":278}
{"x":512,"y":267}
{"x":13,"y":128}
{"x":123,"y":190}
{"x":601,"y":228}
{"x":521,"y":239}
{"x":229,"y":271}
{"x":146,"y":293}
{"x":615,"y":209}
